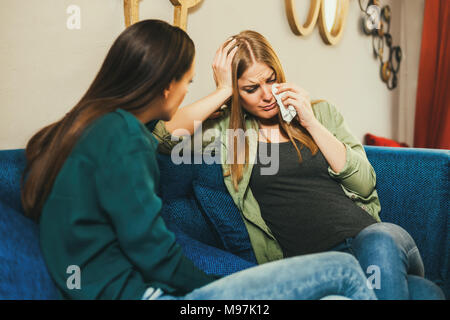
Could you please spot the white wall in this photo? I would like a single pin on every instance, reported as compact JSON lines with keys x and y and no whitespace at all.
{"x":46,"y":68}
{"x":411,"y":23}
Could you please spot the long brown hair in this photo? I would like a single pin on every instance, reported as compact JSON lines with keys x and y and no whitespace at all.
{"x":253,"y":47}
{"x":142,"y":62}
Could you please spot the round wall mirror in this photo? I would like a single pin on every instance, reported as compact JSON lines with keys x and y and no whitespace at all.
{"x":299,"y":28}
{"x":330,"y":7}
{"x":332,"y":19}
{"x":331,"y":14}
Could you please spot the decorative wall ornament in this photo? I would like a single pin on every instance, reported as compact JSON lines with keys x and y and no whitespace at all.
{"x":331,"y":29}
{"x":131,"y":11}
{"x":376,"y":22}
{"x":181,"y":11}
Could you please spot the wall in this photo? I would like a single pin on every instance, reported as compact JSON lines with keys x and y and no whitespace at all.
{"x":46,"y":68}
{"x":411,"y":23}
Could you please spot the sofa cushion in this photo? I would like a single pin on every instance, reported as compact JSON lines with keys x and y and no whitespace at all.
{"x":211,"y":260}
{"x":222,"y":212}
{"x":23,"y":272}
{"x":183,"y":214}
{"x":373,"y":140}
{"x":12,"y":164}
{"x":180,"y":207}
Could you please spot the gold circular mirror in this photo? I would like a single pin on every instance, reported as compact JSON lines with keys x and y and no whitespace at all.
{"x":332,"y":19}
{"x":302,"y":29}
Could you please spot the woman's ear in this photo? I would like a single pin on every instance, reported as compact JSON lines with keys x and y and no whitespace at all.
{"x":166,"y":93}
{"x":168,"y":90}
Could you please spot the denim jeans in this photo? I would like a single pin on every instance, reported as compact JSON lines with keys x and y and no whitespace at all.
{"x":307,"y":277}
{"x":392,"y":262}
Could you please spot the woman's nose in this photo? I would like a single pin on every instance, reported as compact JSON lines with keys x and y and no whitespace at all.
{"x":266,"y":92}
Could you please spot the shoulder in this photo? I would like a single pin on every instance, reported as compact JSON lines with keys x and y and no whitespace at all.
{"x":114,"y":122}
{"x":327,"y":113}
{"x":220,"y":123}
{"x":324,"y":108}
{"x":112,"y":135}
{"x":223,"y":120}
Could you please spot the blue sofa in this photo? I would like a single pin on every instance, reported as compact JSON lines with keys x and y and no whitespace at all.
{"x":413,"y":185}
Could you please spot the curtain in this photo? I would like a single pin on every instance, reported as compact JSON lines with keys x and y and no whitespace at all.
{"x":432,"y":119}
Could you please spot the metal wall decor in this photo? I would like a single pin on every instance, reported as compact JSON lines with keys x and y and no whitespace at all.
{"x":376,"y":22}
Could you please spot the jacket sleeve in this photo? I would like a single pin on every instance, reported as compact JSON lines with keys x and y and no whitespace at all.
{"x":357,"y":176}
{"x":207,"y":137}
{"x":126,"y":189}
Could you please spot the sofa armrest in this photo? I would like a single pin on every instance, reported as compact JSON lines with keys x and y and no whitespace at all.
{"x":413,"y":187}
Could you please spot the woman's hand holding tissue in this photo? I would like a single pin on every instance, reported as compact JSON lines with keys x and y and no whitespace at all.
{"x":300,"y":100}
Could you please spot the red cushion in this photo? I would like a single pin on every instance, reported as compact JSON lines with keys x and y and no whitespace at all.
{"x":373,"y":140}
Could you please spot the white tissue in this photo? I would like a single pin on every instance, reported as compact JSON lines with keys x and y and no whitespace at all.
{"x":288,"y":113}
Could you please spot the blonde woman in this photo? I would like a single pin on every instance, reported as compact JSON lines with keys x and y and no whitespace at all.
{"x":322,"y":196}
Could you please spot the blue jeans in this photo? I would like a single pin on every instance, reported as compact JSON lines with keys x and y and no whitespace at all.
{"x":313,"y":276}
{"x":392,"y":262}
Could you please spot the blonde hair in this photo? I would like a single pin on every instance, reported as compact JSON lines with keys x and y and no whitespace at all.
{"x":253,"y":47}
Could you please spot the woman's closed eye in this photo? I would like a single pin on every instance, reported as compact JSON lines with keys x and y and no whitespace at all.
{"x":272,"y":80}
{"x":252,"y":89}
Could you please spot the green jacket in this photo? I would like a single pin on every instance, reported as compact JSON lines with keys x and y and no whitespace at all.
{"x":102,"y":215}
{"x":357,"y":178}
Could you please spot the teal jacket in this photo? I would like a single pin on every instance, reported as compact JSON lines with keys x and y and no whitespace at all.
{"x":102,"y":215}
{"x":357,"y":178}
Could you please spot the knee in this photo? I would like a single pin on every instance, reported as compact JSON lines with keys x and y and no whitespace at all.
{"x":344,"y":260}
{"x":381,"y":235}
{"x":330,"y":260}
{"x":384,"y":229}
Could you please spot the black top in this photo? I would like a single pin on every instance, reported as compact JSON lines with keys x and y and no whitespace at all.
{"x":306,"y":210}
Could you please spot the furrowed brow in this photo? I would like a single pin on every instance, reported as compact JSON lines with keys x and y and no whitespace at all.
{"x":257,"y":83}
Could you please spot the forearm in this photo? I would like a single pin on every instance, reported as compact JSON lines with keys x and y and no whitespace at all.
{"x":332,"y":149}
{"x":348,"y":164}
{"x":198,"y":111}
